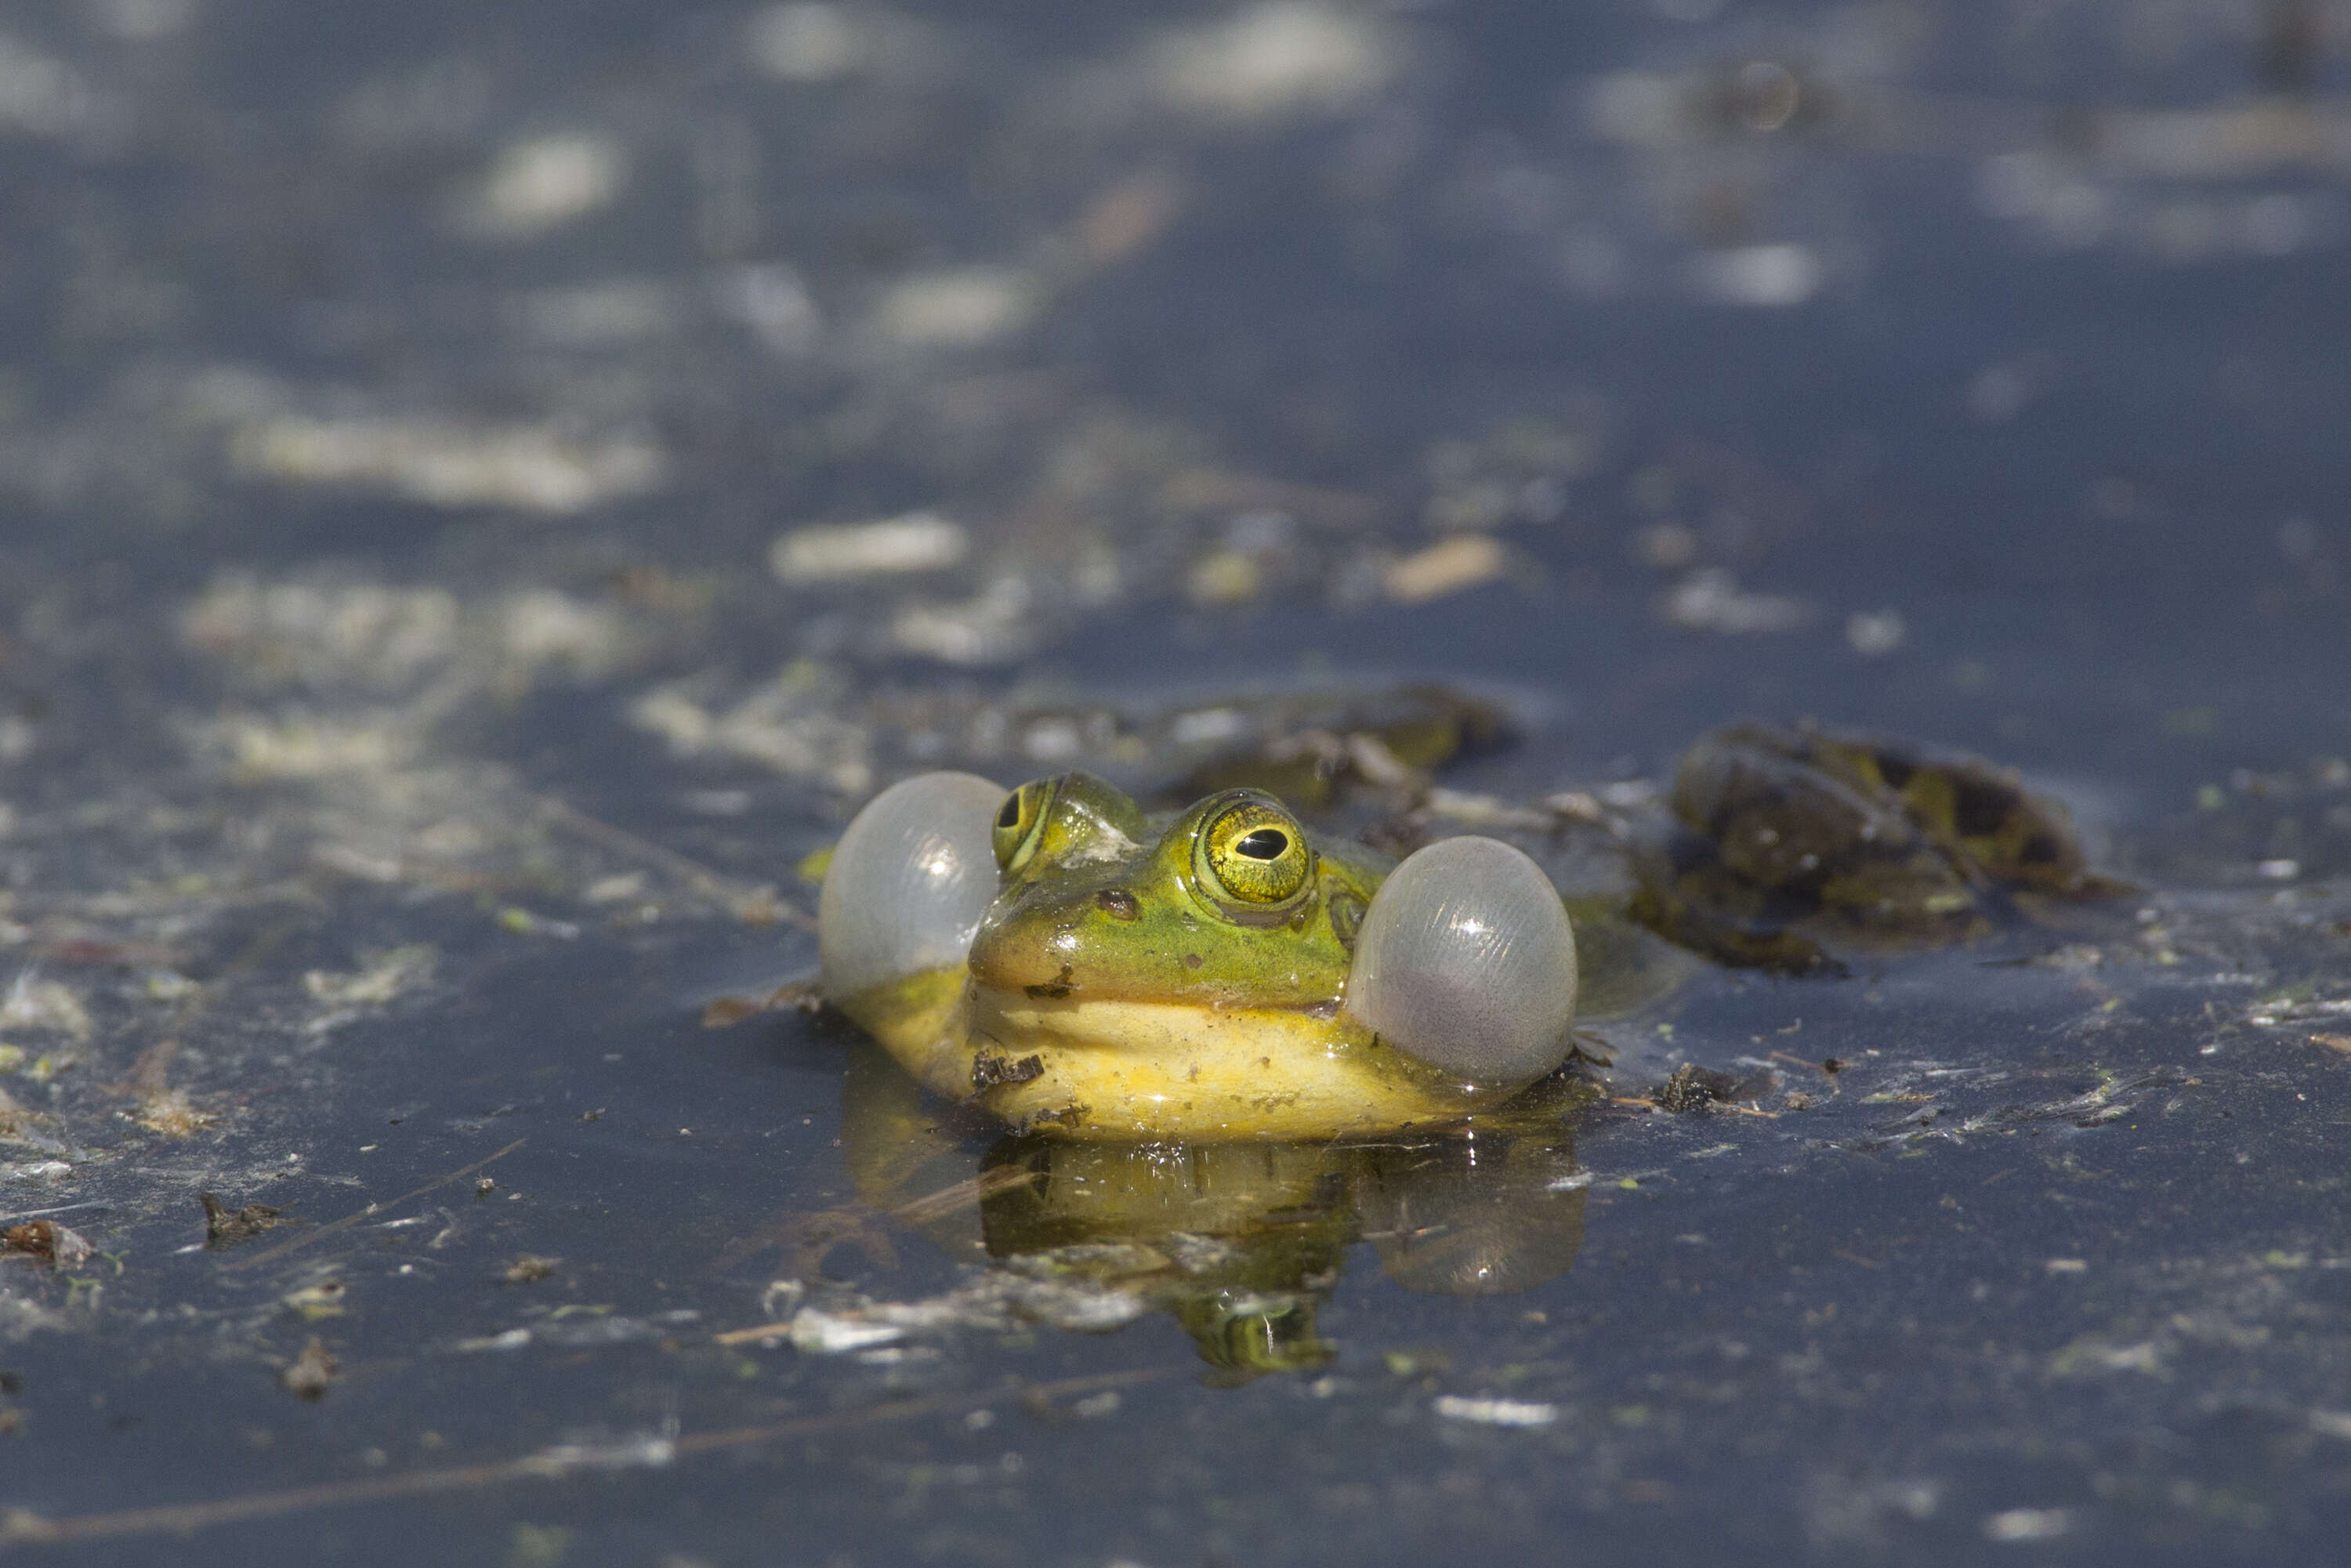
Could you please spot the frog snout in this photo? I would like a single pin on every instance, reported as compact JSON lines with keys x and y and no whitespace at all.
{"x":1020,"y":954}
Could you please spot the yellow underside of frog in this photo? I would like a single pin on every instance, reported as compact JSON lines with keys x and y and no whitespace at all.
{"x":1142,"y":1070}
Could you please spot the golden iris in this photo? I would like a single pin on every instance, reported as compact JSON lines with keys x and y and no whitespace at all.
{"x":1255,"y":852}
{"x":1017,"y":823}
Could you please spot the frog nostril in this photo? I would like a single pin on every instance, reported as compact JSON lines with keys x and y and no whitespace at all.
{"x":1118,"y":903}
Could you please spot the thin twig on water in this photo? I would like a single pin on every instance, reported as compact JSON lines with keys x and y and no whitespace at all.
{"x":758,"y":904}
{"x":21,"y":1527}
{"x":373,"y":1209}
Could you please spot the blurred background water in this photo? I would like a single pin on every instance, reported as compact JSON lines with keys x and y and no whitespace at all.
{"x":485,"y":492}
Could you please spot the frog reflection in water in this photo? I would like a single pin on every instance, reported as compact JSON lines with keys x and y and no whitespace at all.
{"x":1238,"y":1241}
{"x":1050,"y":956}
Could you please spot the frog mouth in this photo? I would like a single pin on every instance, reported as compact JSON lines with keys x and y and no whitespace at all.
{"x":1020,"y":1020}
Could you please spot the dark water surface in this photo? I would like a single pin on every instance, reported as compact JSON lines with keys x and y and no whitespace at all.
{"x":405,"y":733}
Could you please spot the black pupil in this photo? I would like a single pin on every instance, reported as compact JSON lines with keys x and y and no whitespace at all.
{"x":1265,"y":844}
{"x":1010,"y":816}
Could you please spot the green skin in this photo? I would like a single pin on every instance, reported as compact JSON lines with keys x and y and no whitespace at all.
{"x":1091,"y":909}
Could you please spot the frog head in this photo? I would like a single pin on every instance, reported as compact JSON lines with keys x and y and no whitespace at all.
{"x":1232,"y":905}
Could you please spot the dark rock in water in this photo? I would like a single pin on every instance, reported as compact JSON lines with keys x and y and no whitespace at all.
{"x":1787,"y":846}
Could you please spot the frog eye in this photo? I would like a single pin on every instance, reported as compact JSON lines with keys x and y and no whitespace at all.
{"x":1255,"y":852}
{"x":908,"y":883}
{"x":1467,"y":961}
{"x":1016,"y":820}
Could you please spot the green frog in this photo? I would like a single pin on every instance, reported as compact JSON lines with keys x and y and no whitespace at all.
{"x":1225,"y":975}
{"x":1061,"y":961}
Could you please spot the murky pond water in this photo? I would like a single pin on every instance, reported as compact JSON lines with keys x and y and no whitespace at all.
{"x":485,"y":495}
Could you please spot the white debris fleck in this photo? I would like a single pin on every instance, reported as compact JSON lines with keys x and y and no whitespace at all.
{"x":960,"y":307}
{"x":618,"y":889}
{"x":1874,"y":633}
{"x":1710,"y":600}
{"x":1207,"y":726}
{"x":783,"y":724}
{"x":533,"y":468}
{"x":2279,"y":870}
{"x":1477,"y":810}
{"x":361,"y":633}
{"x":543,"y":182}
{"x":512,"y":1339}
{"x":541,"y":627}
{"x":805,"y":42}
{"x":1444,"y":567}
{"x":912,"y":541}
{"x":992,"y":627}
{"x":300,"y":747}
{"x":42,"y":1005}
{"x":1285,"y":58}
{"x":2024,"y":1524}
{"x":1763,"y":276}
{"x":380,"y":982}
{"x":1496,"y":1412}
{"x":651,"y":1450}
{"x":39,"y":1170}
{"x":820,"y":1333}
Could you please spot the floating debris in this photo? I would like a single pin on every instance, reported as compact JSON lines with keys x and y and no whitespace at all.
{"x":1495,"y":1412}
{"x":530,"y":468}
{"x":1874,"y":633}
{"x":787,"y":724}
{"x":912,"y":541}
{"x":961,"y":307}
{"x":996,"y":1301}
{"x":312,"y":1372}
{"x":1759,"y":277}
{"x":544,"y":181}
{"x":530,"y":1268}
{"x":323,"y":1299}
{"x":1693,"y":1088}
{"x":43,"y":1005}
{"x":1282,"y":59}
{"x":2025,"y":1524}
{"x":1710,"y":600}
{"x":162,"y":1107}
{"x":993,"y":627}
{"x":44,"y":1239}
{"x":297,"y":748}
{"x":384,"y":979}
{"x":225,"y":1226}
{"x":1448,"y":566}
